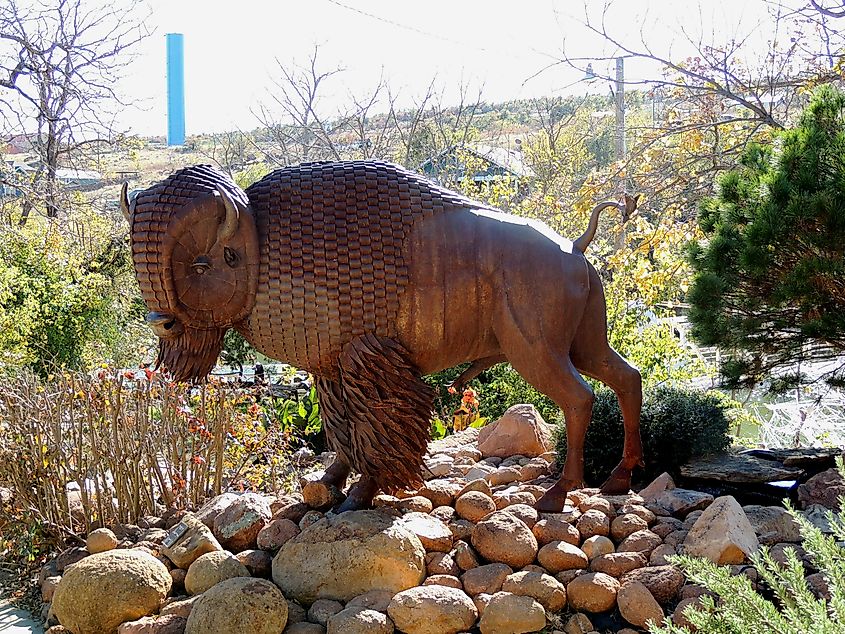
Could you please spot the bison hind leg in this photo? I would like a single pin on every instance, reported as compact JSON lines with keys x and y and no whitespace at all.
{"x":377,"y":415}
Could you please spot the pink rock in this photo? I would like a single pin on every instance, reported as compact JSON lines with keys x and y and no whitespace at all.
{"x":521,"y":430}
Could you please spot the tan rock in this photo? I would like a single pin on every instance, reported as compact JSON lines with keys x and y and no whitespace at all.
{"x":624,"y":525}
{"x":722,"y":533}
{"x":188,"y":540}
{"x":465,"y":556}
{"x":772,"y":524}
{"x":170,"y":624}
{"x":593,"y":522}
{"x":551,"y":529}
{"x":358,"y":620}
{"x":209,"y":511}
{"x":596,"y":546}
{"x":461,"y":529}
{"x":474,"y":506}
{"x":104,"y":590}
{"x":679,"y":616}
{"x":504,"y":538}
{"x":258,"y":562}
{"x":592,"y":592}
{"x":487,"y":579}
{"x":322,"y":610}
{"x":100,"y":540}
{"x":304,"y":627}
{"x":507,"y":613}
{"x":597,"y":503}
{"x":617,"y":564}
{"x":48,"y":588}
{"x":373,"y":600}
{"x":505,"y":500}
{"x":578,"y":623}
{"x":432,"y":533}
{"x":557,"y":556}
{"x":638,"y":606}
{"x":545,"y":589}
{"x":211,"y":569}
{"x":432,"y":610}
{"x":480,"y":484}
{"x":664,"y":582}
{"x":239,"y":605}
{"x":520,"y":430}
{"x":642,"y":541}
{"x":319,"y":495}
{"x":179,"y":607}
{"x":640,"y":511}
{"x":441,"y":564}
{"x":440,"y":492}
{"x":503,"y":475}
{"x":528,"y":514}
{"x":661,"y":483}
{"x":658,"y":555}
{"x":416,"y":503}
{"x":450,"y":581}
{"x":348,"y":554}
{"x":237,"y":527}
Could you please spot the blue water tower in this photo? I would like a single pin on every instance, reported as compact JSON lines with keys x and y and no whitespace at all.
{"x":175,"y":89}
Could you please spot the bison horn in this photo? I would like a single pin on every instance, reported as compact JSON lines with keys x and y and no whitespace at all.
{"x":230,"y":222}
{"x":124,"y":203}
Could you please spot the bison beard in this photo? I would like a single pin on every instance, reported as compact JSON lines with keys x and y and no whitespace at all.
{"x":377,"y":417}
{"x":190,"y":355}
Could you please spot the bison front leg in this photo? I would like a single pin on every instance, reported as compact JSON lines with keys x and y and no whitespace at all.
{"x":377,"y":417}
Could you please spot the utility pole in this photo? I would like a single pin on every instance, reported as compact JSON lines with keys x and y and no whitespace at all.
{"x":619,"y":145}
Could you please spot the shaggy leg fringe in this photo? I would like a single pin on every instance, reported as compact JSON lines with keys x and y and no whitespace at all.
{"x":377,"y":416}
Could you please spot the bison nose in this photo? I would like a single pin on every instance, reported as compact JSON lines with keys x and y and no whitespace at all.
{"x":162,"y":324}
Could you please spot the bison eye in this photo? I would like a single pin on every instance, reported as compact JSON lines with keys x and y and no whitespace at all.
{"x":231,"y":256}
{"x":201,"y":265}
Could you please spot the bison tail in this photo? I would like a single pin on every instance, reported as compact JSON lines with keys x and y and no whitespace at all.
{"x":377,"y":416}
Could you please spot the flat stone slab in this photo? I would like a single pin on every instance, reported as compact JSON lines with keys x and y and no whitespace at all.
{"x":739,"y":468}
{"x":817,"y":459}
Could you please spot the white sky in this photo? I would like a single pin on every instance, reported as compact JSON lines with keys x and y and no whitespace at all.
{"x":231,"y":48}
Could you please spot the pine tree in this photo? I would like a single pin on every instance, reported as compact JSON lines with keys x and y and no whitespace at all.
{"x":769,"y":283}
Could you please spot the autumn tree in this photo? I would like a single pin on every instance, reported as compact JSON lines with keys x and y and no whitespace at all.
{"x":59,"y":63}
{"x":769,"y":285}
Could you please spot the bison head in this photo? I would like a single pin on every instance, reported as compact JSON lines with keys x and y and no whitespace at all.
{"x":195,"y":249}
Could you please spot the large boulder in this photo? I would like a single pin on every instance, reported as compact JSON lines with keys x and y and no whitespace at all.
{"x":722,"y":533}
{"x":432,"y":610}
{"x":102,"y":591}
{"x":521,"y":430}
{"x":505,"y":538}
{"x":824,"y":488}
{"x":773,"y":524}
{"x":211,"y":569}
{"x":237,"y":527}
{"x":188,"y":540}
{"x":508,"y":613}
{"x":239,"y":605}
{"x":345,"y":555}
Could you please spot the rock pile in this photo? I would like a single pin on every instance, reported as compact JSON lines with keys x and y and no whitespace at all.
{"x":466,"y":552}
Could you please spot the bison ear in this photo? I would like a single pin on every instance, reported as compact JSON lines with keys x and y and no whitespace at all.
{"x":230,"y":222}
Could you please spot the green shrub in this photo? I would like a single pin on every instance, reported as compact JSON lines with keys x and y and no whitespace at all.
{"x":498,"y":388}
{"x":675,"y":425}
{"x":795,"y":610}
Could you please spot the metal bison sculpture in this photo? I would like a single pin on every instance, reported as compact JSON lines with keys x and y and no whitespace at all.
{"x":369,"y":276}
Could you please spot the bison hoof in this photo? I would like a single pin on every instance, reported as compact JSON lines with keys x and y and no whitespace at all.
{"x":619,"y":482}
{"x":554,"y":499}
{"x":360,"y":496}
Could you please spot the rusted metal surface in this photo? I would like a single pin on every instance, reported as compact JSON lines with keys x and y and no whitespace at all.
{"x":370,"y":276}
